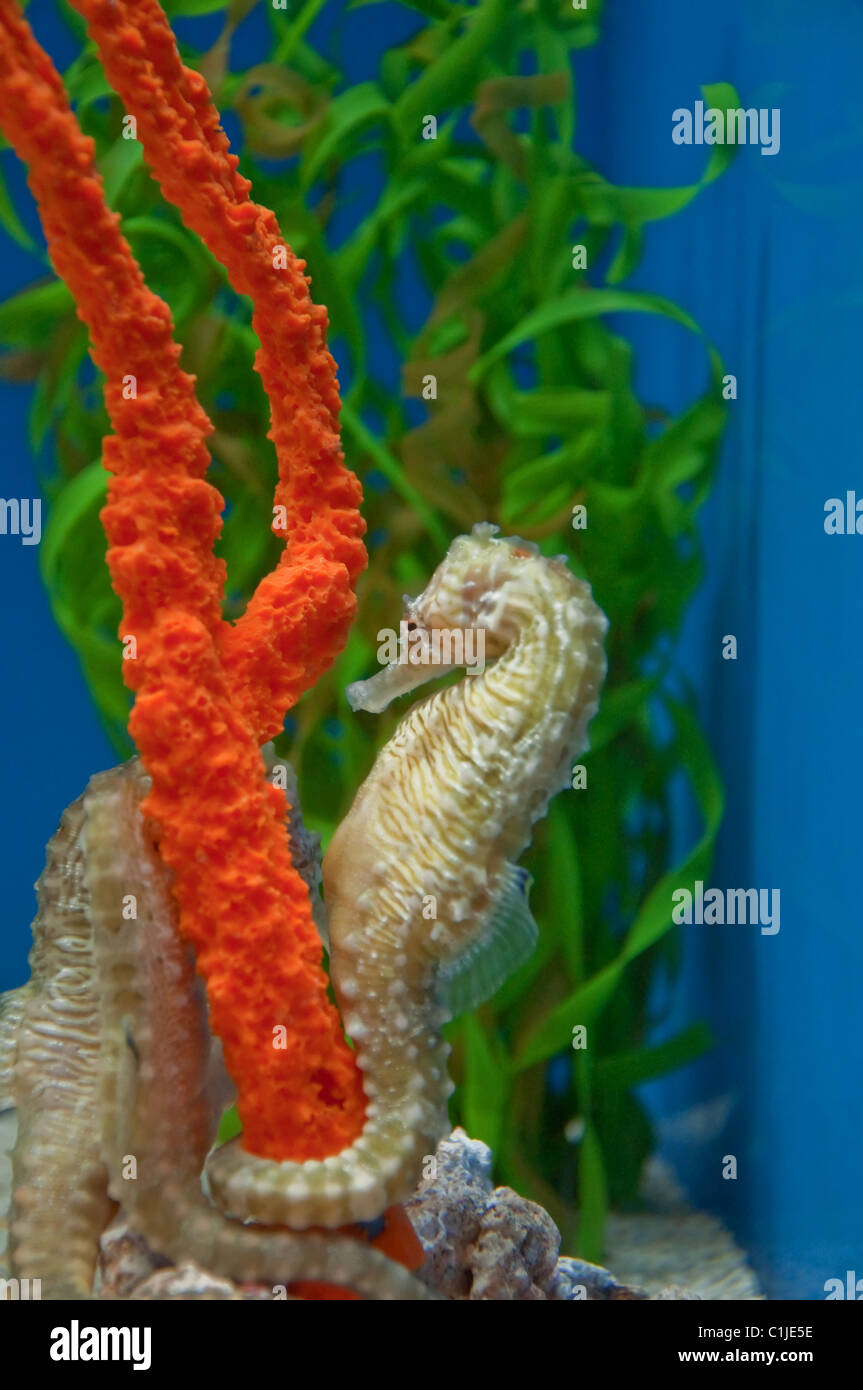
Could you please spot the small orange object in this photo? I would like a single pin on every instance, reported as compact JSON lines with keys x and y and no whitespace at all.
{"x":398,"y":1240}
{"x":316,"y":1291}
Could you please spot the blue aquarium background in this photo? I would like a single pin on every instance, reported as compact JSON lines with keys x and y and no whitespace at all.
{"x":767,"y":261}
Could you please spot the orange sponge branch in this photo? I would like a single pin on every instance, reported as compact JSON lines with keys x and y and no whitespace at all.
{"x":241,"y":903}
{"x":300,"y":615}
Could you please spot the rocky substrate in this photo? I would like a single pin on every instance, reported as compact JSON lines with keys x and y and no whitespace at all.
{"x":481,"y":1243}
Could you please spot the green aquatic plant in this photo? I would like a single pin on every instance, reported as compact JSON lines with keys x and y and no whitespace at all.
{"x":516,"y":406}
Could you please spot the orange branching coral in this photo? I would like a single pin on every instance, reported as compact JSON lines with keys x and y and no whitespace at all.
{"x":301,"y":613}
{"x":205,"y":695}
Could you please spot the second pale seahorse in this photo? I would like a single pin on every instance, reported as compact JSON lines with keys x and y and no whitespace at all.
{"x":441,"y":820}
{"x":106,"y":1055}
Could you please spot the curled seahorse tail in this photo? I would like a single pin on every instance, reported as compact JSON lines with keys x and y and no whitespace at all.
{"x":179,"y":1223}
{"x":380,"y":1169}
{"x":406,"y":1114}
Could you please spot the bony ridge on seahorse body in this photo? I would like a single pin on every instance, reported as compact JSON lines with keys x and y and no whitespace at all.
{"x":446,"y":811}
{"x":107,"y":1056}
{"x":106,"y":1050}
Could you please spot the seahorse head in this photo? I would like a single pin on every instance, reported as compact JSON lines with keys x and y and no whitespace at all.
{"x":452,"y":799}
{"x":487,"y":585}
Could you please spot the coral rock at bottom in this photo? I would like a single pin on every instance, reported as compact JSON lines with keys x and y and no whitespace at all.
{"x":484,"y":1242}
{"x":480,"y":1242}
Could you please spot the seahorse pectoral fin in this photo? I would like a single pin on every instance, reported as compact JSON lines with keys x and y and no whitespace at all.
{"x":505,"y":939}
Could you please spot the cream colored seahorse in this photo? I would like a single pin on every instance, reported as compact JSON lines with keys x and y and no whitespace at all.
{"x":107,"y":1057}
{"x":111,"y":1029}
{"x":427,"y":911}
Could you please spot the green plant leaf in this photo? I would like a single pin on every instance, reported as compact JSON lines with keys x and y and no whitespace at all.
{"x":576,"y":305}
{"x":618,"y":708}
{"x":485,"y":1083}
{"x":11,"y":222}
{"x":86,"y":83}
{"x":451,"y":78}
{"x":29,"y":318}
{"x":82,"y":495}
{"x":564,"y":869}
{"x":434,"y":9}
{"x":117,"y":167}
{"x":189,"y":9}
{"x":654,"y":919}
{"x":392,"y":471}
{"x":349,"y":113}
{"x":156,"y":243}
{"x":624,"y":1070}
{"x":593,"y":1193}
{"x":229,"y":1126}
{"x":556,"y":409}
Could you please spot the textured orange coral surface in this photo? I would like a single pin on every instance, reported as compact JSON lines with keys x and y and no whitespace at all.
{"x":206,"y":695}
{"x":301,"y":613}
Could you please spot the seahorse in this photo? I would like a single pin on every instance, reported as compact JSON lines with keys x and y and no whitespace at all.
{"x":112,"y":1026}
{"x":427,"y":910}
{"x":107,"y":1056}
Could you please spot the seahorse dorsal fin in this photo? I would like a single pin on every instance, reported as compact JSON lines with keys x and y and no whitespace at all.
{"x":506,"y":939}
